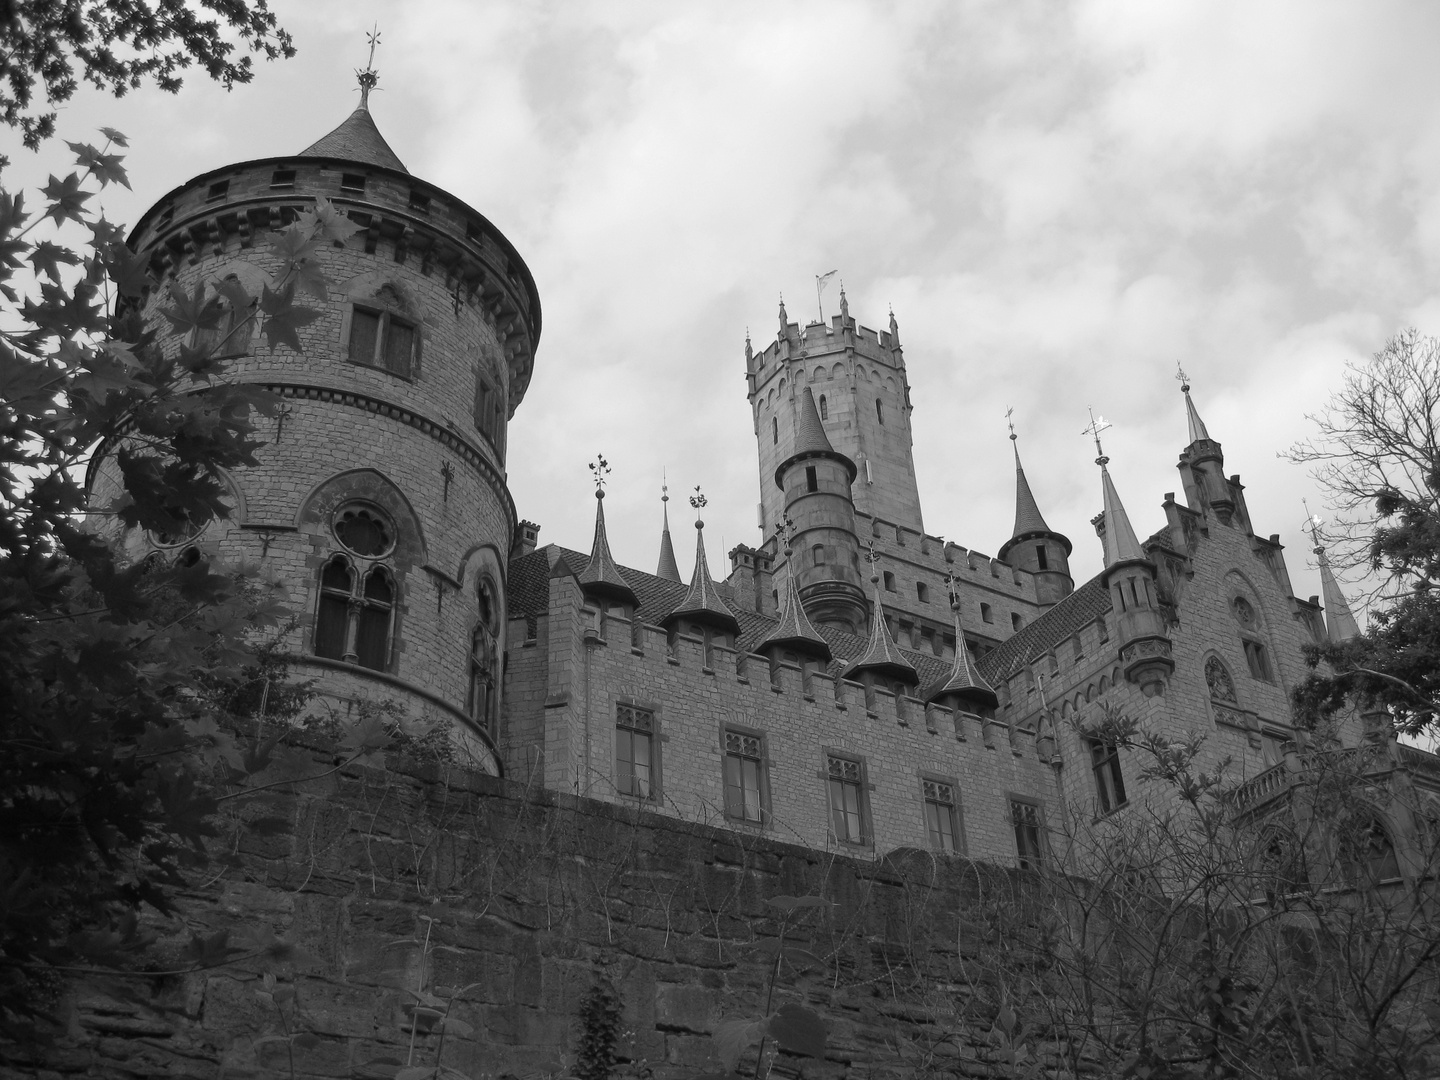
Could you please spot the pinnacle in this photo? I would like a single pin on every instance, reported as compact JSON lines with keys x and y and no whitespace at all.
{"x":1121,"y":544}
{"x":702,"y":602}
{"x":602,"y":577}
{"x":794,"y":628}
{"x":882,"y":654}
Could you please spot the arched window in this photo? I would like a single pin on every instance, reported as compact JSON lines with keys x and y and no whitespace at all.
{"x":775,"y":429}
{"x":880,"y":410}
{"x":484,"y":663}
{"x":817,"y":553}
{"x":372,"y":632}
{"x":1217,"y":678}
{"x":1367,"y":854}
{"x":337,"y":582}
{"x":824,"y":408}
{"x":382,"y":337}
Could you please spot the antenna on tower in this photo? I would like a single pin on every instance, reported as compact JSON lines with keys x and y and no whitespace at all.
{"x":369,"y":78}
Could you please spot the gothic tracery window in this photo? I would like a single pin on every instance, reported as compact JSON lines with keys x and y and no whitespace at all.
{"x":484,"y":662}
{"x":355,"y":612}
{"x":1217,"y":678}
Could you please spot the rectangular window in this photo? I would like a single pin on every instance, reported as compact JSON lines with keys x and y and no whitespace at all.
{"x":889,"y":581}
{"x":282,"y":178}
{"x":940,"y":819}
{"x":354,"y":183}
{"x":743,"y":765}
{"x":1040,"y":560}
{"x":922,"y":592}
{"x":634,"y":751}
{"x":811,"y":483}
{"x":364,"y":330}
{"x":378,"y":339}
{"x":420,"y":202}
{"x":218,"y":191}
{"x":846,"y":795}
{"x":1272,"y":745}
{"x":1258,"y":661}
{"x":399,"y":344}
{"x":985,"y":615}
{"x":1109,"y":782}
{"x":1029,"y":833}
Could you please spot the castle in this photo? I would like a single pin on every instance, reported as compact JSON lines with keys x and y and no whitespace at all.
{"x":854,"y":684}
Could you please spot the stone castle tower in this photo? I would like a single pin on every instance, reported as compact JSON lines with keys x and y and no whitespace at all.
{"x":380,"y":498}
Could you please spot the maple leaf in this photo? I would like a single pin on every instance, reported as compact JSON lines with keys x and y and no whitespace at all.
{"x":46,"y":257}
{"x":333,"y":224}
{"x":283,"y":318}
{"x":63,"y":314}
{"x":67,"y":200}
{"x":129,"y":271}
{"x":233,"y":293}
{"x":114,"y":136}
{"x":104,"y":167}
{"x":12,"y":213}
{"x":311,"y":279}
{"x":192,"y":312}
{"x":293,"y":245}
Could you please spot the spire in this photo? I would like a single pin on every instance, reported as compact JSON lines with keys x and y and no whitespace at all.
{"x":602,"y":577}
{"x":894,"y":331}
{"x":964,"y":681}
{"x":1028,"y":518}
{"x":357,"y":139}
{"x":1340,"y":624}
{"x":667,"y":568}
{"x":1120,"y":542}
{"x":882,"y":655}
{"x":1197,"y":426}
{"x":794,"y":630}
{"x":749,"y":351}
{"x":811,"y":440}
{"x":702,"y":602}
{"x":844,"y":306}
{"x":784,"y":319}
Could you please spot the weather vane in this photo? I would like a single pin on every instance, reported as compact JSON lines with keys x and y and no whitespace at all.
{"x":1097,"y":425}
{"x":1312,"y":524}
{"x":951,"y":583}
{"x":1182,"y":378}
{"x":785,"y":532}
{"x":369,"y":78}
{"x":599,"y":469}
{"x":664,"y":487}
{"x":873,"y":558}
{"x":1009,"y":420}
{"x":698,"y":501}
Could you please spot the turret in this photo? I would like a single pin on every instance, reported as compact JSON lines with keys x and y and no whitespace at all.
{"x":667,"y":567}
{"x":1130,"y":578}
{"x":882,"y":663}
{"x":793,"y":632}
{"x":1340,"y":624}
{"x":1202,"y":471}
{"x":702,"y":613}
{"x":964,"y":688}
{"x":814,"y":481}
{"x":1034,"y":546}
{"x":601,"y":579}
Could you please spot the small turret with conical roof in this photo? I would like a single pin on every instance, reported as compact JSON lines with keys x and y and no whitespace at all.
{"x":601,"y":578}
{"x":882,"y":660}
{"x":1202,"y":469}
{"x":964,"y":689}
{"x":1340,"y":624}
{"x":1033,"y":545}
{"x":667,"y":568}
{"x":793,"y":630}
{"x":815,"y":480}
{"x":1131,"y":579}
{"x":702,"y":605}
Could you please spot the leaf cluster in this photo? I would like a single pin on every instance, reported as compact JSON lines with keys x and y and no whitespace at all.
{"x":52,"y":46}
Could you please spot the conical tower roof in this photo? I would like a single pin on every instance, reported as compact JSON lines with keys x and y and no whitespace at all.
{"x":794,"y":630}
{"x":1196,"y":425}
{"x":1340,"y":624}
{"x":964,"y":681}
{"x":882,"y":655}
{"x":1028,"y":519}
{"x":702,"y":602}
{"x":602,"y":577}
{"x":811,"y":440}
{"x":1121,"y":544}
{"x":668,"y":568}
{"x":357,"y":139}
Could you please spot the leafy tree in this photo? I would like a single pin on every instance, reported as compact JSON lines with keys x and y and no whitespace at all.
{"x":116,"y":45}
{"x":1378,"y":457}
{"x":123,"y":684}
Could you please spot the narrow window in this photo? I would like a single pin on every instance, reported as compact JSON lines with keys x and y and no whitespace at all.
{"x":1109,"y":782}
{"x":1104,"y":630}
{"x":846,"y":800}
{"x":817,"y":554}
{"x":372,"y":634}
{"x":282,"y":178}
{"x":743,"y":763}
{"x":353,"y":183}
{"x":985,"y":614}
{"x":775,"y":429}
{"x":889,"y":581}
{"x":1041,"y":559}
{"x":922,"y":592}
{"x":880,"y":411}
{"x":419,"y":202}
{"x":1135,"y":596}
{"x":1077,"y":648}
{"x":824,"y":408}
{"x":940,"y":820}
{"x":484,"y":663}
{"x":336,"y":583}
{"x":1029,"y":833}
{"x":399,"y":344}
{"x":634,"y":746}
{"x":1015,"y":621}
{"x":218,"y":191}
{"x":364,"y":330}
{"x":1259,"y":662}
{"x":811,"y":482}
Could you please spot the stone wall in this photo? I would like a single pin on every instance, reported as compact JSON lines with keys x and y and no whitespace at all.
{"x":528,"y":898}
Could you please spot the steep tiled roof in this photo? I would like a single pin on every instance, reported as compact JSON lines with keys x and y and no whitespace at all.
{"x":1082,"y":607}
{"x":811,"y":440}
{"x":881,"y":653}
{"x":357,"y":139}
{"x":1120,"y":542}
{"x":1028,"y":518}
{"x":702,"y":600}
{"x":529,"y":585}
{"x":667,"y":567}
{"x":964,"y":680}
{"x":1197,"y":426}
{"x":794,"y":628}
{"x":1340,"y":624}
{"x":600,"y":576}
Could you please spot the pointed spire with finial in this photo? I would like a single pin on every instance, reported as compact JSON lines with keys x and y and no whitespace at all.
{"x":793,"y":629}
{"x":882,"y":655}
{"x":749,"y":351}
{"x":964,"y":683}
{"x":702,"y":603}
{"x":601,"y":577}
{"x":844,"y":306}
{"x":357,"y":139}
{"x":1340,"y":624}
{"x":1121,"y":544}
{"x":1197,"y":426}
{"x":784,"y":319}
{"x":894,"y":330}
{"x":1028,"y":518}
{"x":668,"y":569}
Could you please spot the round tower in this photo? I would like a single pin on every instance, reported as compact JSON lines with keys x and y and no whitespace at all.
{"x":379,"y":497}
{"x":1034,"y":546}
{"x":814,"y":482}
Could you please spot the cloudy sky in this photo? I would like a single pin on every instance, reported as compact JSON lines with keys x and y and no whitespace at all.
{"x":1060,"y":200}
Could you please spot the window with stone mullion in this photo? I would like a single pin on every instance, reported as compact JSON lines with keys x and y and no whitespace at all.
{"x":742,"y":777}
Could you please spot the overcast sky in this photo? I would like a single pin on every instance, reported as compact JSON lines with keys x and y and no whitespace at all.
{"x":1059,"y":200}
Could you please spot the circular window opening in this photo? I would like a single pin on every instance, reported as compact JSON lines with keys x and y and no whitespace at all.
{"x":1244,"y":613}
{"x":364,"y":530}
